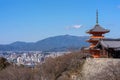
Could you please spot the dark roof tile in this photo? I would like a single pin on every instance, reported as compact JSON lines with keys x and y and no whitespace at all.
{"x":98,"y":28}
{"x":110,"y":43}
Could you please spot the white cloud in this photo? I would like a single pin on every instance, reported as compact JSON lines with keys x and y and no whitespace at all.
{"x":77,"y":26}
{"x":74,"y":27}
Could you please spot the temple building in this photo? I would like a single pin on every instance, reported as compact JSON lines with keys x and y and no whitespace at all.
{"x":97,"y":33}
{"x":109,"y":48}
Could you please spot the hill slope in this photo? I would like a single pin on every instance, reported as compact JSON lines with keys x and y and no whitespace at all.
{"x":100,"y":69}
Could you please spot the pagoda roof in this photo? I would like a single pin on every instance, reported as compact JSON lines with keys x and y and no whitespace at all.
{"x":98,"y":28}
{"x":94,"y":39}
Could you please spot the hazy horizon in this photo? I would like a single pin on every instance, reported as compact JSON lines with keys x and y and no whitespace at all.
{"x":33,"y":20}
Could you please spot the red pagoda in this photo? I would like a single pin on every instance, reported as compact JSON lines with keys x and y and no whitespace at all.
{"x":97,"y":33}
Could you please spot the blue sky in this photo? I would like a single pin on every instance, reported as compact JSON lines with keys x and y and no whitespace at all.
{"x":33,"y":20}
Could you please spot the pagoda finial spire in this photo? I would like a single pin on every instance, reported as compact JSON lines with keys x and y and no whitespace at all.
{"x":96,"y":16}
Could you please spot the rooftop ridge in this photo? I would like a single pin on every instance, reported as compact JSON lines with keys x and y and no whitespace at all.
{"x":110,"y":39}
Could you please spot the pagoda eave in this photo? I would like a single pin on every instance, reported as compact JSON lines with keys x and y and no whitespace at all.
{"x":96,"y":32}
{"x":91,"y":41}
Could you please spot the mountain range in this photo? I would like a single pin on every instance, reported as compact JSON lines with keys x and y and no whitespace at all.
{"x":57,"y":43}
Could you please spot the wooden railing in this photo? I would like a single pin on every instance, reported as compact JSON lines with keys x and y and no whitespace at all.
{"x":92,"y":46}
{"x":97,"y":37}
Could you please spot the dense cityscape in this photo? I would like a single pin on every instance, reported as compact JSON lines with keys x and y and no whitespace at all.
{"x":29,"y":58}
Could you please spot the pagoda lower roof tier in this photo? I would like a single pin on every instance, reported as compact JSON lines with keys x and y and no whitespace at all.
{"x":92,"y":49}
{"x":93,"y":40}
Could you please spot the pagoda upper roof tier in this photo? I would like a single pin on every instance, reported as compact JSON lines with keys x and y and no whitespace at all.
{"x":98,"y":29}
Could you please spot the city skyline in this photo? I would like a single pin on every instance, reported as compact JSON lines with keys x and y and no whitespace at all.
{"x":33,"y":20}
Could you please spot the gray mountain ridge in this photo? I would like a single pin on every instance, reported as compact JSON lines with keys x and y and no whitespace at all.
{"x":57,"y":43}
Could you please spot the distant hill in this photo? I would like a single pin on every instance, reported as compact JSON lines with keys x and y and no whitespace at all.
{"x":57,"y":43}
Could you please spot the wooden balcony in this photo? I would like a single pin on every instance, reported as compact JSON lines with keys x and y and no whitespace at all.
{"x":99,"y":37}
{"x":92,"y":46}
